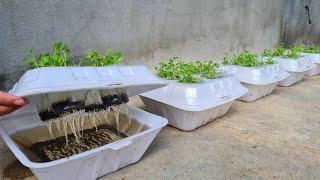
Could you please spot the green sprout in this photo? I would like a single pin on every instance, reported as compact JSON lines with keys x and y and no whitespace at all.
{"x":246,"y":59}
{"x":187,"y":72}
{"x":312,"y":48}
{"x":58,"y":57}
{"x":294,"y":52}
{"x":280,"y":51}
{"x":94,"y":58}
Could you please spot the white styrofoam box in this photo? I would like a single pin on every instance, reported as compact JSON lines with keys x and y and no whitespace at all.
{"x":297,"y":68}
{"x":257,"y":91}
{"x":294,"y":78}
{"x":315,"y":58}
{"x":99,"y":161}
{"x":260,"y":81}
{"x":136,"y":79}
{"x":314,"y":71}
{"x":91,"y":164}
{"x":188,"y":106}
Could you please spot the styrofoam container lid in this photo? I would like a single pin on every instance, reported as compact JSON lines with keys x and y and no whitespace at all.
{"x":198,"y":97}
{"x":300,"y":64}
{"x":315,"y":58}
{"x":136,"y":79}
{"x":261,"y":75}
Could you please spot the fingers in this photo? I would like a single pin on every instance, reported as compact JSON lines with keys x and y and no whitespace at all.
{"x":10,"y":100}
{"x":7,"y":109}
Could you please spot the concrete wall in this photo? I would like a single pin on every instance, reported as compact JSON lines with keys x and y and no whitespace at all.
{"x":144,"y":30}
{"x":295,"y":22}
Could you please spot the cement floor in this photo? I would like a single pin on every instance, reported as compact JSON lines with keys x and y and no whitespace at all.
{"x":277,"y":137}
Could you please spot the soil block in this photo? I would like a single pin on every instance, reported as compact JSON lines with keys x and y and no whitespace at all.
{"x":57,"y":149}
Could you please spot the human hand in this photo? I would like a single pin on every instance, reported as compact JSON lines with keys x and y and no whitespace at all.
{"x":10,"y":103}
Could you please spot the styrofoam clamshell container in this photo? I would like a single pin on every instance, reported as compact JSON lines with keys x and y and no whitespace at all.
{"x":99,"y":161}
{"x":297,"y":68}
{"x":189,"y":106}
{"x":315,"y":58}
{"x":260,"y":81}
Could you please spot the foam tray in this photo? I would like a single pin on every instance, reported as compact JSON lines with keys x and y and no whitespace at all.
{"x":188,"y":106}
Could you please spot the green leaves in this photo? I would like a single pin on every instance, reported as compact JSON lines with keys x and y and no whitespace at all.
{"x":94,"y":58}
{"x":187,"y":72}
{"x":312,"y":48}
{"x":58,"y":57}
{"x":246,"y":59}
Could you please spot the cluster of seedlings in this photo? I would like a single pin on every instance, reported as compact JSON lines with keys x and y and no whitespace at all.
{"x":60,"y":56}
{"x":247,"y":59}
{"x":69,"y":111}
{"x":188,"y":72}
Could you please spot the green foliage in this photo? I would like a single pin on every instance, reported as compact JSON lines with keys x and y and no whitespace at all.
{"x":267,"y":53}
{"x":294,"y":52}
{"x":246,"y":59}
{"x":280,"y":51}
{"x":187,"y":72}
{"x":312,"y":48}
{"x":58,"y":57}
{"x":94,"y":58}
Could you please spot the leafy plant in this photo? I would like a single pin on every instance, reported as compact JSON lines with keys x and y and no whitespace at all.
{"x":267,"y":53}
{"x":94,"y":58}
{"x":312,"y":48}
{"x":294,"y":52}
{"x":58,"y":57}
{"x":246,"y":59}
{"x":280,"y":51}
{"x":187,"y":72}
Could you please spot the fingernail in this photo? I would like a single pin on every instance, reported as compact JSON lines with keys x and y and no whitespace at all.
{"x":18,"y":102}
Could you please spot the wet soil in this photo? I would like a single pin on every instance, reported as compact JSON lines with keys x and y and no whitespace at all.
{"x":57,"y":149}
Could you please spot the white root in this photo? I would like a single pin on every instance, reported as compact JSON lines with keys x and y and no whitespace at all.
{"x":49,"y":126}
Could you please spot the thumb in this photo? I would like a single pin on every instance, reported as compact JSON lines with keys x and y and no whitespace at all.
{"x":10,"y":100}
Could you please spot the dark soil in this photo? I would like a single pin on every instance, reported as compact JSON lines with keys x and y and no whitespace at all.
{"x":60,"y":108}
{"x":57,"y":149}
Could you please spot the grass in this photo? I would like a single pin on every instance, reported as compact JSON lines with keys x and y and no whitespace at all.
{"x":187,"y":72}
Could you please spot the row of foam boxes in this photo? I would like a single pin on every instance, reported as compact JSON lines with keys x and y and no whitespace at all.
{"x":190,"y":106}
{"x":186,"y":106}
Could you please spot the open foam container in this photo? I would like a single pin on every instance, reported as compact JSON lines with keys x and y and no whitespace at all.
{"x":315,"y":58}
{"x":260,"y":81}
{"x":297,"y":68}
{"x":98,"y":161}
{"x":188,"y":106}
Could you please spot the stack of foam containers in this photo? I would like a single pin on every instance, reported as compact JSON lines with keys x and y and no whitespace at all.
{"x":97,"y":162}
{"x":297,"y":68}
{"x":260,"y":81}
{"x":315,"y":58}
{"x":188,"y":106}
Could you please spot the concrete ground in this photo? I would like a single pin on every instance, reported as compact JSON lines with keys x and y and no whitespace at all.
{"x":277,"y":137}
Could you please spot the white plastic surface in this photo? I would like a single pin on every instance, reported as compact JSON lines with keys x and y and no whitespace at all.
{"x":262,"y":75}
{"x":294,"y":78}
{"x":257,"y":91}
{"x":260,"y":81}
{"x":296,"y":67}
{"x":136,"y":79}
{"x":188,"y":106}
{"x":301,"y":64}
{"x":314,"y":71}
{"x":315,"y":58}
{"x":91,"y":164}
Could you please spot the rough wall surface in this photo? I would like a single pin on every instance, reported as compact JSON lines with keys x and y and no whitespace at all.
{"x":295,"y":22}
{"x":144,"y":30}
